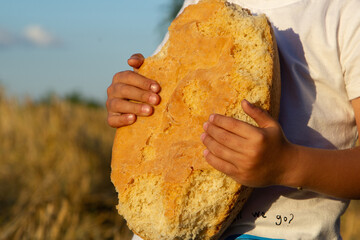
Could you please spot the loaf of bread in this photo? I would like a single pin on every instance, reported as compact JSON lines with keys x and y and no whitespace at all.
{"x":217,"y":54}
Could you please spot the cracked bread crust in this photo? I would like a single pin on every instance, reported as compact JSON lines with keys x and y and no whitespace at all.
{"x":217,"y":54}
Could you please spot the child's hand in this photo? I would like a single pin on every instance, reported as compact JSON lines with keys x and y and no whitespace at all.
{"x":253,"y":156}
{"x":129,"y":85}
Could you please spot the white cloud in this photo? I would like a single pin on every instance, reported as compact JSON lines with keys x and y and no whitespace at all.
{"x":38,"y":36}
{"x":32,"y":35}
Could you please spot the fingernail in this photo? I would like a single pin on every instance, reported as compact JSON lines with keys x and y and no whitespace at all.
{"x":134,"y":57}
{"x":146,"y":109}
{"x":154,"y":87}
{"x":205,"y":126}
{"x":202,"y":137}
{"x":130,"y":117}
{"x":211,"y":118}
{"x":152,"y":99}
{"x":206,"y":152}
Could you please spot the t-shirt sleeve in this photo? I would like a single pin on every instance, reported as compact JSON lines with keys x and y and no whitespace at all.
{"x":349,"y":41}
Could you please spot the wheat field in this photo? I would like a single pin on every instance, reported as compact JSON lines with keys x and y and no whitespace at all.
{"x":55,"y":173}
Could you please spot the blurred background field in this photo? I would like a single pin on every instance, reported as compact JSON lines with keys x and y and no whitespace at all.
{"x":55,"y":172}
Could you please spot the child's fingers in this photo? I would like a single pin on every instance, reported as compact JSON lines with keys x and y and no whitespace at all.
{"x":136,"y":60}
{"x":124,"y":91}
{"x":261,"y":117}
{"x":219,"y":150}
{"x":219,"y":164}
{"x":136,"y":80}
{"x":225,"y":137}
{"x":117,"y":105}
{"x":117,"y":120}
{"x":233,"y":125}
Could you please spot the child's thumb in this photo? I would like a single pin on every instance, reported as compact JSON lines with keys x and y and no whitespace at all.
{"x":136,"y":60}
{"x":261,"y":117}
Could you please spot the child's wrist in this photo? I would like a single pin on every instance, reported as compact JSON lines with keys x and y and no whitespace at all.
{"x":292,"y":172}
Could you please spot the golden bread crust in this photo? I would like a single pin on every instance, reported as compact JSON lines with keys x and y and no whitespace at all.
{"x":166,"y":188}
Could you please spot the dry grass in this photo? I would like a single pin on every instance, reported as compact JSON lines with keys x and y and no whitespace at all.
{"x":55,"y":174}
{"x":350,"y":225}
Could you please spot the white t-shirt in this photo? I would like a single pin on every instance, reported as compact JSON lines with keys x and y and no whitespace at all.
{"x":319,"y":48}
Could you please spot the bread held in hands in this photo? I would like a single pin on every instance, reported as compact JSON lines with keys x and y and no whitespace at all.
{"x":217,"y":55}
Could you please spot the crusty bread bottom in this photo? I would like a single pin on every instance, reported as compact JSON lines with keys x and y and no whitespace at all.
{"x":217,"y":54}
{"x":201,"y":206}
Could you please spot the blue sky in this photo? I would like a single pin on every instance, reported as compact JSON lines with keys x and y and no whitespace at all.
{"x":65,"y":46}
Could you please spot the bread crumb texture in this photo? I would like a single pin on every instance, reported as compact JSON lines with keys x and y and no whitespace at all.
{"x":217,"y":55}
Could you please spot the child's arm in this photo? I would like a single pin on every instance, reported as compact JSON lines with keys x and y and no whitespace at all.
{"x":128,"y":85}
{"x":262,"y":156}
